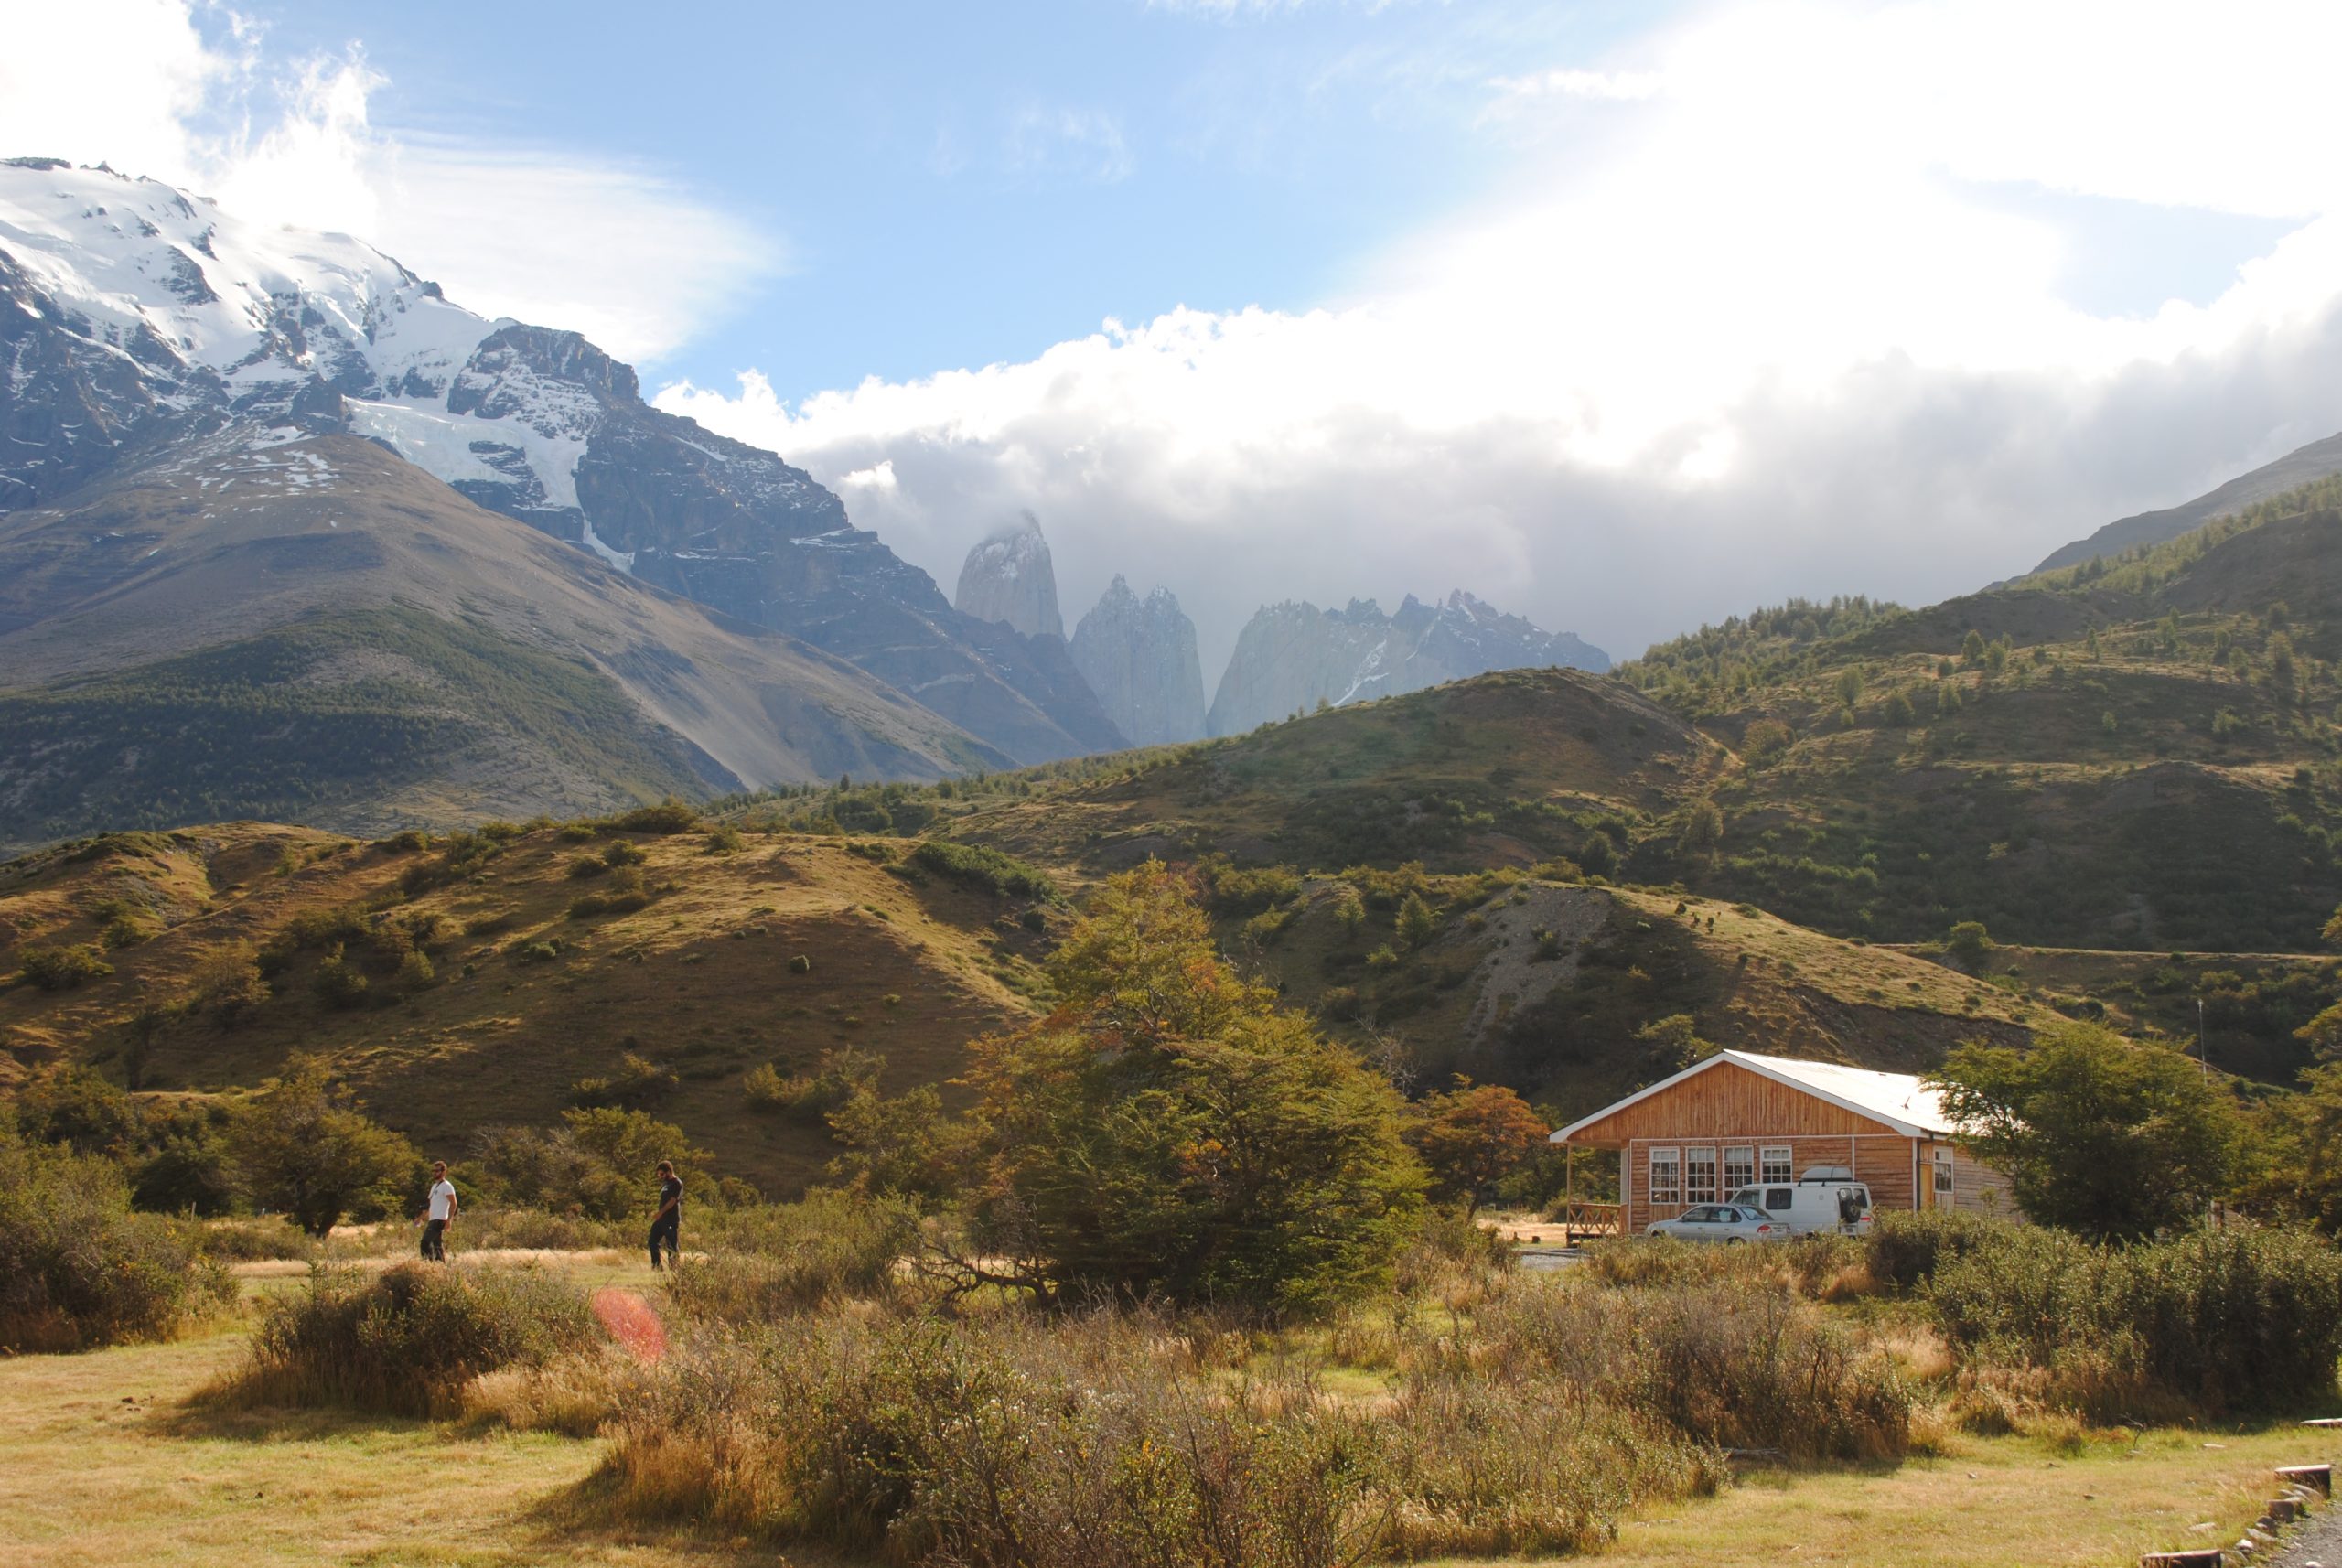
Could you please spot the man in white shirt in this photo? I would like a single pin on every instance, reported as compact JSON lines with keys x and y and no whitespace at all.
{"x":441,"y":1215}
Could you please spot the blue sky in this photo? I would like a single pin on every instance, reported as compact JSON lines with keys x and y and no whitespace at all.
{"x":952,"y":185}
{"x":1621,"y":316}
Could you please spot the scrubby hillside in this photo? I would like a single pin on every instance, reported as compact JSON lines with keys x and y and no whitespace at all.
{"x":243,"y":943}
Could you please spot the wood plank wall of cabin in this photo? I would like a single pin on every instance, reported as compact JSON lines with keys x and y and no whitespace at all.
{"x":1880,"y":1160}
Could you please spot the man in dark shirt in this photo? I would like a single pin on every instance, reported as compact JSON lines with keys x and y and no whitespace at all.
{"x":666,"y":1226}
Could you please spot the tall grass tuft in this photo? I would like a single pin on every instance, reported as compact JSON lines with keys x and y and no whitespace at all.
{"x":407,"y":1341}
{"x":1107,"y":1440}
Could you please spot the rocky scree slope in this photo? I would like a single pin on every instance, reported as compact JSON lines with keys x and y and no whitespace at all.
{"x":134,"y":314}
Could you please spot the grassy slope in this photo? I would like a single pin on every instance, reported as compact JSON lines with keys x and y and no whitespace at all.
{"x":699,"y":980}
{"x":317,"y":630}
{"x":355,"y":717}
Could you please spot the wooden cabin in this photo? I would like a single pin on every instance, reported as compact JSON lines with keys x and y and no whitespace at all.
{"x":1735,"y":1118}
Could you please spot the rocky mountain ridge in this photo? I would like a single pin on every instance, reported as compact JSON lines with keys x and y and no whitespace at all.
{"x":1008,"y":578}
{"x":1139,"y":656}
{"x":2295,"y":468}
{"x":1293,"y":656}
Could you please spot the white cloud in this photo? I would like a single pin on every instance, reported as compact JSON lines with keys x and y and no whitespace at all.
{"x":568,"y":239}
{"x":1061,"y":142}
{"x":1757,"y":332}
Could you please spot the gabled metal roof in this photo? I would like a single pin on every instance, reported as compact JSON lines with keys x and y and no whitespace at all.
{"x":1895,"y":1099}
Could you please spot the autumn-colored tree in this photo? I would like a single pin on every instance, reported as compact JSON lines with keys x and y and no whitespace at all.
{"x":1474,"y":1136}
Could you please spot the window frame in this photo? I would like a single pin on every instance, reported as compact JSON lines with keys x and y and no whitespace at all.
{"x":1670,"y":1193}
{"x":1693,"y":1193}
{"x":1726,"y":1181}
{"x":1766,"y":1167}
{"x":1944,"y":1178}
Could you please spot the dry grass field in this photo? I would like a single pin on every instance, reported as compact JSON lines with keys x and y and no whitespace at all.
{"x":103,"y":1461}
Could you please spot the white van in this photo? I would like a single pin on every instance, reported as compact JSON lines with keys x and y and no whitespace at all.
{"x":1826,"y":1197}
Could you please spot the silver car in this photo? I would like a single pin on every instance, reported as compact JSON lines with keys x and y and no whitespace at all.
{"x":1720,"y":1222}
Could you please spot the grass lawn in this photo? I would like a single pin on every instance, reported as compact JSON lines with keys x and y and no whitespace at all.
{"x":2010,"y":1501}
{"x":102,"y":1463}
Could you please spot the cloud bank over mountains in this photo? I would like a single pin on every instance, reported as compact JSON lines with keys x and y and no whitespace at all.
{"x":1777,"y":298}
{"x":1757,"y":317}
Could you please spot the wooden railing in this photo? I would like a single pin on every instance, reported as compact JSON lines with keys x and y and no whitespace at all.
{"x":1580,"y":1219}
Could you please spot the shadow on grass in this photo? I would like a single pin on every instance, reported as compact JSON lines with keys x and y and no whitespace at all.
{"x":218,"y":1410}
{"x":591,"y":1512}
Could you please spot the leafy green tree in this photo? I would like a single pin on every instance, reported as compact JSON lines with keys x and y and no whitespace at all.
{"x":300,"y":1146}
{"x":1849,"y":686}
{"x":2323,"y":1034}
{"x":1168,"y":1129}
{"x":2302,"y":1174}
{"x":903,"y":1146}
{"x":1474,"y":1136}
{"x":1764,"y":740}
{"x":597,"y":1163}
{"x":1896,"y":714}
{"x":1415,"y":922}
{"x":1675,"y":1042}
{"x":2098,"y":1133}
{"x":1968,"y":945}
{"x":1599,"y":853}
{"x":1703,"y":827}
{"x":1972,"y":648}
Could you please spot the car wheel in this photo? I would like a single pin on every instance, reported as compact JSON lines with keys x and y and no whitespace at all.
{"x":1733,"y":1241}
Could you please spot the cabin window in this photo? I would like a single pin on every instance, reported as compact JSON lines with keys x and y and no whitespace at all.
{"x":1666,"y":1175}
{"x":1739,"y":1168}
{"x":1700,"y":1176}
{"x":1777,"y":1164}
{"x":1943,"y":1175}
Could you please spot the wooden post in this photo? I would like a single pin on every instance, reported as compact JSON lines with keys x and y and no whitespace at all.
{"x":1569,"y":1189}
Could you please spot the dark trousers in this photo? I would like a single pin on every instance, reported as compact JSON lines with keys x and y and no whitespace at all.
{"x":435,"y":1241}
{"x":667,"y":1229}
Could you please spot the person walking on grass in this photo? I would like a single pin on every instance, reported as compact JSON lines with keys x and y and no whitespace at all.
{"x":667,"y":1224}
{"x":440,"y":1214}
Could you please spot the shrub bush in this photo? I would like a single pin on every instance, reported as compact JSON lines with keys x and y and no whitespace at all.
{"x":1736,"y":1367}
{"x":1110,"y":1441}
{"x":977,"y":867}
{"x":670,"y":816}
{"x":405,"y":1342}
{"x":78,"y":1268}
{"x":2228,"y":1320}
{"x":779,"y":1258}
{"x":1904,"y":1250}
{"x":61,"y":968}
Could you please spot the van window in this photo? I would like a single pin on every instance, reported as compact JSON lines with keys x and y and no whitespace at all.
{"x":1666,"y":1175}
{"x":1700,"y":1174}
{"x":1780,"y":1199}
{"x":1776,"y":1163}
{"x":1739,"y":1167}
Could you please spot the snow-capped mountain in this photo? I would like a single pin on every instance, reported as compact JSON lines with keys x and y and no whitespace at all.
{"x":1291,"y":656}
{"x":1009,"y":578}
{"x":131,"y":312}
